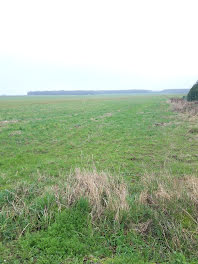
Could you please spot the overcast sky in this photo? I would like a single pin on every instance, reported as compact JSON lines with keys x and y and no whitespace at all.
{"x":103,"y":44}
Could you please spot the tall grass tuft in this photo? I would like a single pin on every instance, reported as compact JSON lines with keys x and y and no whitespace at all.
{"x":185,"y":107}
{"x":174,"y":205}
{"x":103,"y":191}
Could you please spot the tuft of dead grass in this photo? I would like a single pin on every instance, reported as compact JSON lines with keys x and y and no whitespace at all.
{"x":164,"y":188}
{"x":8,"y":122}
{"x":183,"y":106}
{"x":173,"y":202}
{"x":4,"y":123}
{"x":101,"y":117}
{"x":16,"y":132}
{"x":27,"y":205}
{"x":103,"y":191}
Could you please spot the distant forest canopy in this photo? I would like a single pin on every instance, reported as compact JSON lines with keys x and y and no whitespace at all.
{"x":92,"y":92}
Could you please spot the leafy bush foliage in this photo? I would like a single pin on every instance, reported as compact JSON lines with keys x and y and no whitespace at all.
{"x":193,"y":93}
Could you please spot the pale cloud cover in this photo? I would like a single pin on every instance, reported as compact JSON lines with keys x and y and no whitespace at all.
{"x":106,"y":44}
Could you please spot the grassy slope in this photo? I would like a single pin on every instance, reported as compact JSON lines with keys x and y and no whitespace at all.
{"x":122,"y":135}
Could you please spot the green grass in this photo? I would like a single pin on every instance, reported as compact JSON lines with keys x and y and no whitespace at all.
{"x":44,"y":138}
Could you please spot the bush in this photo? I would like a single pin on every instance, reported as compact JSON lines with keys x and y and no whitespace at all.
{"x":193,"y":93}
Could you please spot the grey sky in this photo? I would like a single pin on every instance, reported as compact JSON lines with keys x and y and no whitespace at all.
{"x":106,"y":44}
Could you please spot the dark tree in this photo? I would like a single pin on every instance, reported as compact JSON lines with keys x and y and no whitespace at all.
{"x":193,"y":93}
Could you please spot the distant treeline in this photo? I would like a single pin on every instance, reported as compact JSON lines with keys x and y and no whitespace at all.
{"x":175,"y":91}
{"x":92,"y":92}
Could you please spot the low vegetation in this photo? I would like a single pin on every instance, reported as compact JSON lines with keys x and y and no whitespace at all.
{"x":155,"y":219}
{"x":133,"y":198}
{"x":185,"y":107}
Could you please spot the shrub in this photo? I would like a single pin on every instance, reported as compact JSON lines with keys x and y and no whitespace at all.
{"x":193,"y":93}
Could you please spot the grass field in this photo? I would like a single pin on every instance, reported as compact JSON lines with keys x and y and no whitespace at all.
{"x":135,"y":141}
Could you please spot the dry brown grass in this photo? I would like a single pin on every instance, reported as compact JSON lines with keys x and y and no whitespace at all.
{"x":163,"y":188}
{"x":173,"y":202}
{"x":166,"y":207}
{"x":16,"y":132}
{"x":185,"y":107}
{"x":176,"y":198}
{"x":101,"y":117}
{"x":103,"y":191}
{"x":38,"y":201}
{"x":6,"y":122}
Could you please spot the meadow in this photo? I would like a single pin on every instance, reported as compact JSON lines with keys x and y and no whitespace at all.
{"x":97,"y":179}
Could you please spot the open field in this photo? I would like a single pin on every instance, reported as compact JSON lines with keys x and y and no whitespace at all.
{"x":61,"y":158}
